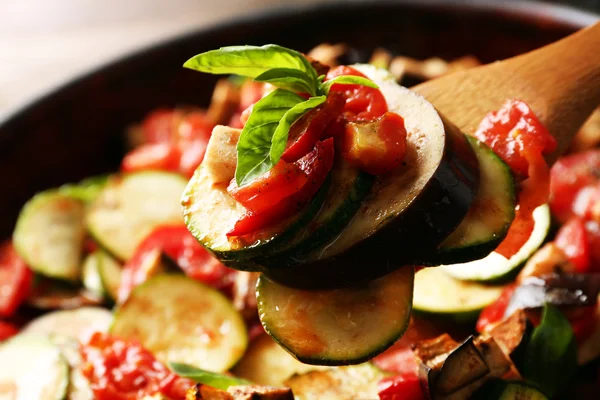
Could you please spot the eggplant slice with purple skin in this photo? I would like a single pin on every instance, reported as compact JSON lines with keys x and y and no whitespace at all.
{"x":408,"y":212}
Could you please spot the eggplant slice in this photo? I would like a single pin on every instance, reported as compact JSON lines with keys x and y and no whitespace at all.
{"x":408,"y":213}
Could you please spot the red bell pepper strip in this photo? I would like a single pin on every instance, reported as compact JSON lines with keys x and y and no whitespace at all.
{"x":15,"y":280}
{"x":401,"y":387}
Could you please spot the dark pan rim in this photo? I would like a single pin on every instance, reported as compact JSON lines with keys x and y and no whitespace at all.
{"x":528,"y":10}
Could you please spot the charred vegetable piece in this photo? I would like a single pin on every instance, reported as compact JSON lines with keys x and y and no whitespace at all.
{"x":489,"y":217}
{"x":337,"y":326}
{"x":50,"y":233}
{"x":558,"y":289}
{"x":246,"y":392}
{"x":509,"y":390}
{"x":204,"y":330}
{"x":512,"y":335}
{"x":342,"y":383}
{"x":411,"y":209}
{"x":437,"y":293}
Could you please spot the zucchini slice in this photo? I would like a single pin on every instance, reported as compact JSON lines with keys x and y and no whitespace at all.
{"x":266,"y":363}
{"x":182,"y":320}
{"x":79,"y":386}
{"x":49,"y":235}
{"x":90,"y":276}
{"x":339,"y":326}
{"x":78,"y":324}
{"x":439,"y":294}
{"x":109,"y":270}
{"x":210,"y":212}
{"x":32,"y":367}
{"x":130,"y":206}
{"x":496,"y":268}
{"x":343,"y":383}
{"x":349,"y":187}
{"x":490,"y":215}
{"x":498,"y":389}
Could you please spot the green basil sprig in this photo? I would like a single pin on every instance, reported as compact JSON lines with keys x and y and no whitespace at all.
{"x":551,"y":355}
{"x":219,"y":381}
{"x":264,"y":138}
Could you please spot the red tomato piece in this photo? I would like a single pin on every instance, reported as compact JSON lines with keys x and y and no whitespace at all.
{"x":593,"y":235}
{"x":306,"y":132}
{"x":316,"y":166}
{"x":569,"y":175}
{"x":519,"y":138}
{"x":15,"y":280}
{"x":157,"y":156}
{"x":7,"y":330}
{"x":362,"y":103}
{"x":495,"y":311}
{"x":401,"y":387}
{"x":124,"y":370}
{"x":376,"y":147}
{"x":178,"y":243}
{"x":572,"y":240}
{"x":160,"y":125}
{"x":266,"y":191}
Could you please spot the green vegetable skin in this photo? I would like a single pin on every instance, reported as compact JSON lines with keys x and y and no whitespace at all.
{"x":216,"y":380}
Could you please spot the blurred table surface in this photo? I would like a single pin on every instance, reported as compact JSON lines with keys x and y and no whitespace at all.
{"x":45,"y":42}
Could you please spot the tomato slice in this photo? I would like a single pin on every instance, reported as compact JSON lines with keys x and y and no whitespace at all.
{"x":306,"y":132}
{"x":315,"y":165}
{"x":495,"y":311}
{"x":281,"y":181}
{"x":362,"y":103}
{"x":156,"y":156}
{"x":405,"y":386}
{"x":178,"y":243}
{"x":15,"y":280}
{"x":570,"y":175}
{"x":124,"y":370}
{"x":160,"y":125}
{"x":519,"y":138}
{"x":572,"y":239}
{"x":7,"y":330}
{"x":376,"y":147}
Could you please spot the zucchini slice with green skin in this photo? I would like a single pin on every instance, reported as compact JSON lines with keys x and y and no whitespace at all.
{"x":32,"y":367}
{"x":437,"y":293}
{"x":79,"y":386}
{"x":210,"y":212}
{"x":90,"y":276}
{"x":79,"y":323}
{"x":109,"y":271}
{"x":181,"y":320}
{"x":266,"y":363}
{"x":343,"y":383}
{"x":493,"y":210}
{"x":349,"y":187}
{"x":339,"y":326}
{"x":498,"y":389}
{"x":50,"y":233}
{"x":496,"y":268}
{"x":130,"y":206}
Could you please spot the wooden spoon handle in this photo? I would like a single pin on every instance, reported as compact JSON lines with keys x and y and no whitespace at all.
{"x":565,"y":77}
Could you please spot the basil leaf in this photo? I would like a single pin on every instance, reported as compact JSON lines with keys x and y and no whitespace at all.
{"x":348,"y":80}
{"x":290,"y":79}
{"x":254,"y":146}
{"x":213,"y":379}
{"x":280,"y":137}
{"x":551,"y":355}
{"x":251,"y":61}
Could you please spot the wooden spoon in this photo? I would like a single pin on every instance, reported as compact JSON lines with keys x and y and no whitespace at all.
{"x":560,"y":82}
